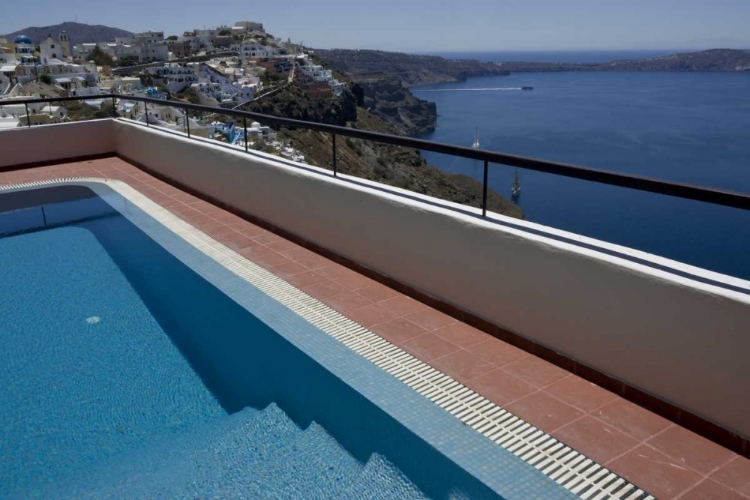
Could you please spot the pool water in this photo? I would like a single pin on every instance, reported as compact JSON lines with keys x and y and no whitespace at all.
{"x":87,"y":372}
{"x":125,"y":373}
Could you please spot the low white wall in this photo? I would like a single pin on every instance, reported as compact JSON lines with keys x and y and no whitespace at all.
{"x":55,"y":142}
{"x":680,"y":340}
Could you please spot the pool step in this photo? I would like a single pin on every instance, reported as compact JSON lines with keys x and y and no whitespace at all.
{"x":313,"y":465}
{"x":164,"y":467}
{"x":250,"y":454}
{"x":381,"y":480}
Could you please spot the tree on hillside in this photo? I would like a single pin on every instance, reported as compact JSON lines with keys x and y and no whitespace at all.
{"x":99,"y":57}
{"x":128,"y":61}
{"x":172,"y":38}
{"x":225,"y":32}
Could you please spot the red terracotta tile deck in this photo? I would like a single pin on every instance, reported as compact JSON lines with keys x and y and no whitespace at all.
{"x":661,"y":457}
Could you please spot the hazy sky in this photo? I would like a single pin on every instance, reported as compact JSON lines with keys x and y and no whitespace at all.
{"x":425,"y":25}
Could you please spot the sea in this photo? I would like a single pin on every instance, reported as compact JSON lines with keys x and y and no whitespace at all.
{"x":685,"y":127}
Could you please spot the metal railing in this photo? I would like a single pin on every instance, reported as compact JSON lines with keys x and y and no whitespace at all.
{"x":668,"y":188}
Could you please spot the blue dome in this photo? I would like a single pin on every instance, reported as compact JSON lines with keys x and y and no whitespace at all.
{"x":22,"y":39}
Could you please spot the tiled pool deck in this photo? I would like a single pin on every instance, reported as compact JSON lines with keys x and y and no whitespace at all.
{"x":659,"y":456}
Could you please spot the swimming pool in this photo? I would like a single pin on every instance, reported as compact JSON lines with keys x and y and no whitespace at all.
{"x":137,"y":365}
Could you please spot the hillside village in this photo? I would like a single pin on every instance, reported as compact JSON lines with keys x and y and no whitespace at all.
{"x":223,"y":67}
{"x":230,"y":67}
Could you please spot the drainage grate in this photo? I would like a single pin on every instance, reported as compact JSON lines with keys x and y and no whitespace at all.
{"x":569,"y":468}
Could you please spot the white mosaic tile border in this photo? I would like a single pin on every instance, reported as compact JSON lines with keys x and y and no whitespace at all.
{"x":572,"y":470}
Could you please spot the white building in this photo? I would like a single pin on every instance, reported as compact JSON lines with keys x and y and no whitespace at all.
{"x":248,"y":26}
{"x":67,"y":75}
{"x":174,"y":77}
{"x":226,"y":93}
{"x":206,"y":38}
{"x":315,"y":72}
{"x":253,"y":48}
{"x":152,"y":46}
{"x":149,"y":37}
{"x":55,"y":49}
{"x":154,"y":53}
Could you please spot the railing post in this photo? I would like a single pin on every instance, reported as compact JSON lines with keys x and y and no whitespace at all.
{"x":145,"y":108}
{"x":28,"y":116}
{"x":334,"y":155}
{"x":484,"y":190}
{"x":244,"y":123}
{"x":187,"y":121}
{"x":114,"y":108}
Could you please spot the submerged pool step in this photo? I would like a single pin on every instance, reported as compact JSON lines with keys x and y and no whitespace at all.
{"x":313,"y":465}
{"x":381,"y":480}
{"x":250,"y":454}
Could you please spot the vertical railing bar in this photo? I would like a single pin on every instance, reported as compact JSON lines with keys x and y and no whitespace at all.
{"x":145,"y":109}
{"x":334,"y":155}
{"x":28,"y":116}
{"x":187,"y":121}
{"x":114,"y":108}
{"x":484,"y":189}
{"x":244,"y":123}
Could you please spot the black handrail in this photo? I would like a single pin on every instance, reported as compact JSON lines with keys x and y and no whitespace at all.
{"x":668,"y":188}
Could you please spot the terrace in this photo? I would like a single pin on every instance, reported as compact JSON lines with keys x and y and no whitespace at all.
{"x":608,"y":350}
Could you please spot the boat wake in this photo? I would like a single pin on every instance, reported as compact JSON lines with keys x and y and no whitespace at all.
{"x":494,"y":89}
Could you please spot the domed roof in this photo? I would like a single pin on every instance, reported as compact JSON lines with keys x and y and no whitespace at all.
{"x":22,"y":39}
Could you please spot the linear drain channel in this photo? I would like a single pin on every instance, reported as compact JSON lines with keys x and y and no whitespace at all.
{"x":569,"y":468}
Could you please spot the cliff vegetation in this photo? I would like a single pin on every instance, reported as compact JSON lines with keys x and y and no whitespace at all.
{"x":392,"y":165}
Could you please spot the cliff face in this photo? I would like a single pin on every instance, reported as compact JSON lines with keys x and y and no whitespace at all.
{"x":706,"y":60}
{"x":293,"y":102}
{"x":419,"y":70}
{"x":392,"y":165}
{"x":410,"y":69}
{"x":388,"y":99}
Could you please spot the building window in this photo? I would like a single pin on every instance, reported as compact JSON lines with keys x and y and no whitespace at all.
{"x":52,"y":46}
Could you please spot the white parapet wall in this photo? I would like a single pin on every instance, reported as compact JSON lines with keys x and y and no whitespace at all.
{"x":677,"y":332}
{"x":675,"y":337}
{"x":45,"y":143}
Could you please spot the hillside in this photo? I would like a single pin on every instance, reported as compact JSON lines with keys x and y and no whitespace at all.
{"x":706,"y":60}
{"x":390,"y":100}
{"x":77,"y":32}
{"x":396,"y":166}
{"x":410,"y":69}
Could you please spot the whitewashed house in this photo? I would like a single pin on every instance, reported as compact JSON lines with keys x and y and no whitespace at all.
{"x":253,"y":48}
{"x":175,"y":77}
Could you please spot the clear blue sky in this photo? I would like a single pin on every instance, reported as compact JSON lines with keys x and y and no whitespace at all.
{"x":426,"y":25}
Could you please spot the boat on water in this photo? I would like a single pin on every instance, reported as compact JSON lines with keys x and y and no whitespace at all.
{"x":527,"y":88}
{"x":475,"y":144}
{"x":515,"y":188}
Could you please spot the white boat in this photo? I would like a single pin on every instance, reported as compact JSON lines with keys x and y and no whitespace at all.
{"x":475,"y":145}
{"x":515,"y":188}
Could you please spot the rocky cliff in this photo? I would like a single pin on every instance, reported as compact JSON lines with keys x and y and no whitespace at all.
{"x":392,"y":165}
{"x":410,"y":69}
{"x":293,"y":102}
{"x":706,"y":60}
{"x":390,"y":100}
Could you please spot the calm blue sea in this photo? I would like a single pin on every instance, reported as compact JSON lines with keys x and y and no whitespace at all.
{"x":687,"y":127}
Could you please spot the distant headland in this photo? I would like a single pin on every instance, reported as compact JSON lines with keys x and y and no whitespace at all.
{"x":421,"y":70}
